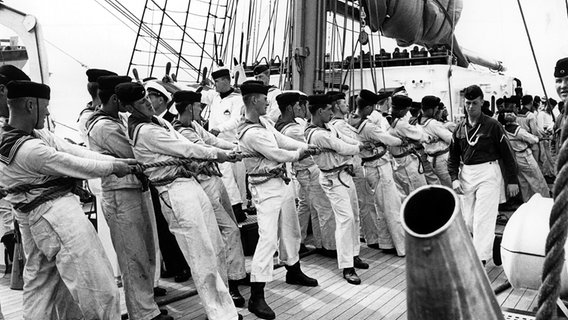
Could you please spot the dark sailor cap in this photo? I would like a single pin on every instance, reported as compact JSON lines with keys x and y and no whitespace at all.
{"x":516,"y":100}
{"x":253,"y":86}
{"x":287,"y":98}
{"x":561,"y":69}
{"x":129,"y":92}
{"x":9,"y":73}
{"x":24,"y":88}
{"x":260,"y":69}
{"x":430,"y":102}
{"x":94,"y":74}
{"x":401,"y":102}
{"x":368,"y":96}
{"x":186,"y":96}
{"x":473,"y":92}
{"x":108,"y":83}
{"x":416,"y":105}
{"x":220,"y":73}
{"x":335,"y":95}
{"x":526,"y":99}
{"x":319,"y":99}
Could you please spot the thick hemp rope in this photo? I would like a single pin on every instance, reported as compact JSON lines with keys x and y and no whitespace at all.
{"x":179,"y":162}
{"x":556,"y":240}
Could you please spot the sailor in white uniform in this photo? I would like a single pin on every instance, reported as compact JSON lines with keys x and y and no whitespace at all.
{"x":188,"y":105}
{"x":262,"y":73}
{"x":126,"y":207}
{"x":336,"y":179}
{"x":38,"y":171}
{"x":92,"y":87}
{"x":277,"y":229}
{"x":224,"y":113}
{"x":185,"y":205}
{"x":313,"y":203}
{"x":438,"y":146}
{"x":377,"y":165}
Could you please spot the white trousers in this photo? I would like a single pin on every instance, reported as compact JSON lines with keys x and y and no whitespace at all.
{"x":481,"y":184}
{"x":387,"y":202}
{"x":67,"y":273}
{"x":313,"y":204}
{"x":367,"y":211}
{"x":440,"y":165}
{"x":191,"y":220}
{"x":277,"y":221}
{"x":128,"y":218}
{"x":227,"y":223}
{"x":531,"y":180}
{"x":406,"y":174}
{"x":345,"y":207}
{"x":228,"y":178}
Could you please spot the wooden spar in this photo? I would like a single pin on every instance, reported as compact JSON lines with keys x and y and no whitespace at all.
{"x":307,"y":46}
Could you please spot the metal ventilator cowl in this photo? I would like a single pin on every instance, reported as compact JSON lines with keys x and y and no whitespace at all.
{"x":445,"y":278}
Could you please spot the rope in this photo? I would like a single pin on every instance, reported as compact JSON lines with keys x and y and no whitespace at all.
{"x":181,"y":162}
{"x":532,"y":48}
{"x":555,"y":241}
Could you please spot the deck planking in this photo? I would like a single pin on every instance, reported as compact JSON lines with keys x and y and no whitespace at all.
{"x":382,"y":294}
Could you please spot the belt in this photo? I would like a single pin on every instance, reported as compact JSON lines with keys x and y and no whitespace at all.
{"x":190,"y":170}
{"x":414,"y":152}
{"x":375,"y":157}
{"x":183,"y":173}
{"x":54,"y":189}
{"x":525,"y":149}
{"x":434,"y":155}
{"x":279,"y":172}
{"x":347,"y":167}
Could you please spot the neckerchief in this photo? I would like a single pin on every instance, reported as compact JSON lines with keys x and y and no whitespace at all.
{"x":280,"y":124}
{"x":134,"y":121}
{"x":511,"y":128}
{"x":11,"y":140}
{"x":226,"y":94}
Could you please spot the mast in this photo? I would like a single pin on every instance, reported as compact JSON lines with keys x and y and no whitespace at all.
{"x":309,"y":47}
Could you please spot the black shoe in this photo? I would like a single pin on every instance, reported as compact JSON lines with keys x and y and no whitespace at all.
{"x":257,"y":304}
{"x":166,"y":274}
{"x":497,"y":250}
{"x":389,"y":251}
{"x":296,"y":276}
{"x":327,"y":253}
{"x":245,"y":281}
{"x":303,"y":248}
{"x":238,"y":299}
{"x":374,"y":246}
{"x":240,"y":215}
{"x":160,"y":292}
{"x":351,"y":276}
{"x":359,"y":264}
{"x":183,"y":276}
{"x":483,"y":262}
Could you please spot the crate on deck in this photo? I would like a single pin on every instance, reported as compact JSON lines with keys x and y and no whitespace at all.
{"x":249,"y":234}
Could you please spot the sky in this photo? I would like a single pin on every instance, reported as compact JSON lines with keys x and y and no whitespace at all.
{"x":92,"y":37}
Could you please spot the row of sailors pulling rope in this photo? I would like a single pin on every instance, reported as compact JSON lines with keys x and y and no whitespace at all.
{"x":58,"y":187}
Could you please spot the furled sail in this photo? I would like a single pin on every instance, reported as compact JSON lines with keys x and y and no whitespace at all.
{"x":426,"y":22}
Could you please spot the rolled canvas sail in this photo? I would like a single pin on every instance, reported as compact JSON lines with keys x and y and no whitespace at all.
{"x":428,"y":22}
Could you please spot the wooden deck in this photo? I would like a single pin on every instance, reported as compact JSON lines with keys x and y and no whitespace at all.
{"x":382,"y":294}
